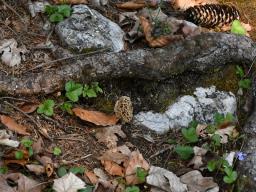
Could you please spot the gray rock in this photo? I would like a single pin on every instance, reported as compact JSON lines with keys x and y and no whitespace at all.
{"x":87,"y":29}
{"x":200,"y":107}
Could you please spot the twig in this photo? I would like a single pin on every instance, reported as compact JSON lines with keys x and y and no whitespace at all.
{"x":161,"y":151}
{"x":253,"y":62}
{"x":69,"y":138}
{"x":13,"y":98}
{"x":79,"y":159}
{"x":43,"y":183}
{"x":66,"y":58}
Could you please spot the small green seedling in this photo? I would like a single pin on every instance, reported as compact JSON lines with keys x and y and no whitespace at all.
{"x":244,"y":83}
{"x":240,"y":72}
{"x":132,"y":189}
{"x":3,"y":170}
{"x":219,"y":118}
{"x":73,"y":90}
{"x":57,"y":13}
{"x":77,"y":170}
{"x":62,"y":171}
{"x":19,"y":155}
{"x":46,"y":107}
{"x":67,"y":106}
{"x":86,"y":189}
{"x":141,"y":174}
{"x":190,"y":134}
{"x":184,"y":152}
{"x":212,"y":165}
{"x":92,"y":90}
{"x":56,"y":151}
{"x":230,"y":176}
{"x":237,"y":28}
{"x":216,"y":138}
{"x":28,"y":144}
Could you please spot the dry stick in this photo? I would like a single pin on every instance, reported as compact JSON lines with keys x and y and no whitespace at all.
{"x":79,"y":159}
{"x":66,"y":58}
{"x":13,"y":98}
{"x":28,"y":116}
{"x":161,"y":151}
{"x":68,"y":138}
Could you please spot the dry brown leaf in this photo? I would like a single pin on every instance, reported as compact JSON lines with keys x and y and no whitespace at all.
{"x":37,"y":169}
{"x":38,"y":146}
{"x":136,"y":160}
{"x":13,"y":126}
{"x":198,"y":156}
{"x":201,"y":130}
{"x":184,"y":4}
{"x":68,"y":183}
{"x":136,"y":4}
{"x":11,"y":154}
{"x":96,"y":117}
{"x":4,"y":185}
{"x":44,"y":160}
{"x":100,"y":174}
{"x":196,"y":182}
{"x":72,"y":2}
{"x":91,"y":176}
{"x":164,"y":180}
{"x":29,"y":108}
{"x":108,"y":135}
{"x":113,"y":168}
{"x":159,"y":41}
{"x":21,"y":162}
{"x":24,"y":183}
{"x":118,"y":155}
{"x":104,"y":186}
{"x":225,"y":133}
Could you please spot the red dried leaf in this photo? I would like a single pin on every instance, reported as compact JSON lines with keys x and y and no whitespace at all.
{"x":13,"y":126}
{"x":96,"y":117}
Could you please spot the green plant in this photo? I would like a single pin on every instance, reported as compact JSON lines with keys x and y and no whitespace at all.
{"x":28,"y":144}
{"x":3,"y":170}
{"x":57,"y":13}
{"x":132,"y":189}
{"x":46,"y":107}
{"x":141,"y":174}
{"x":215,"y":140}
{"x":87,"y":189}
{"x":91,"y":90}
{"x":184,"y":152}
{"x":67,"y":106}
{"x":73,"y":90}
{"x":56,"y":151}
{"x":221,"y":118}
{"x":62,"y":171}
{"x":77,"y":170}
{"x":19,"y":155}
{"x":230,"y":176}
{"x":244,"y":82}
{"x":190,"y":134}
{"x":237,"y":28}
{"x":212,"y":165}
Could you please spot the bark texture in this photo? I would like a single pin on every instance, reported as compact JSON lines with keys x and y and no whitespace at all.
{"x":196,"y":54}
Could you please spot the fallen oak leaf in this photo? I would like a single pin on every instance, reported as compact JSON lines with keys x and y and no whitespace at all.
{"x":107,"y":135}
{"x":13,"y":126}
{"x":135,"y":160}
{"x":68,"y":183}
{"x":4,"y":139}
{"x":21,"y":162}
{"x":24,"y":183}
{"x":37,"y":169}
{"x":113,"y":168}
{"x":225,"y":133}
{"x":159,"y":41}
{"x":29,"y":108}
{"x":91,"y":176}
{"x":4,"y":186}
{"x":198,"y":156}
{"x":95,"y":117}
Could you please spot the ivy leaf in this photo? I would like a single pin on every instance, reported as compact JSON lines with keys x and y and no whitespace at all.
{"x":19,"y":155}
{"x":64,"y":10}
{"x":237,"y":28}
{"x":231,"y":175}
{"x":190,"y":134}
{"x":245,"y":83}
{"x":73,"y":90}
{"x":26,"y":142}
{"x":46,"y":107}
{"x":184,"y":152}
{"x":132,"y":189}
{"x":77,"y":170}
{"x":56,"y":151}
{"x":212,"y":165}
{"x":62,"y":171}
{"x":216,"y":138}
{"x":141,"y":174}
{"x":56,"y":17}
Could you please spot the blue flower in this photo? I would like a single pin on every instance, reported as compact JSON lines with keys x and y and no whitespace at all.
{"x":241,"y":156}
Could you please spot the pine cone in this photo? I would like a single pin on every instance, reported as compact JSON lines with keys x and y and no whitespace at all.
{"x":211,"y":15}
